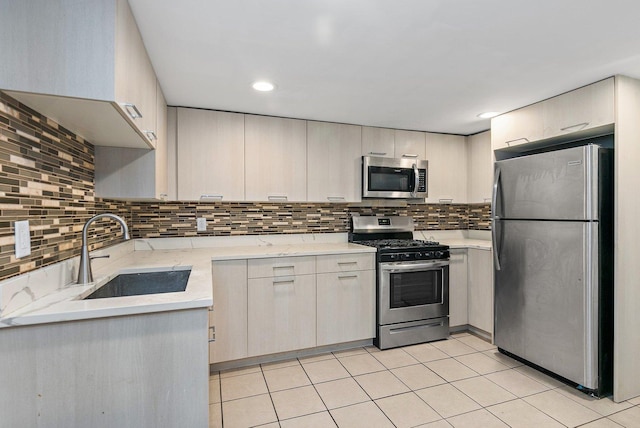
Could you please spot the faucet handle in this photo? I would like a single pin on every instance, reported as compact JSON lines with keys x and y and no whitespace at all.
{"x":106,"y":256}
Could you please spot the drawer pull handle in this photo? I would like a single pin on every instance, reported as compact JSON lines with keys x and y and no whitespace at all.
{"x":283,"y":267}
{"x":211,"y":197}
{"x":151,"y":135}
{"x":132,"y":110}
{"x":347,"y":263}
{"x":283,"y":281}
{"x":347,"y":276}
{"x":526,"y":140}
{"x":401,"y":329}
{"x":576,"y":127}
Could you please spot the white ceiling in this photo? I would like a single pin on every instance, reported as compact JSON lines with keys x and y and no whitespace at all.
{"x":428,"y":65}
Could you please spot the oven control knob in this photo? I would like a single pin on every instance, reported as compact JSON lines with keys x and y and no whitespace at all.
{"x":439,"y":253}
{"x":406,"y":256}
{"x":429,"y":254}
{"x":419,"y":255}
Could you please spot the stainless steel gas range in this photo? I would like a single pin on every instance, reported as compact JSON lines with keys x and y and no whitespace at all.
{"x":412,"y":281}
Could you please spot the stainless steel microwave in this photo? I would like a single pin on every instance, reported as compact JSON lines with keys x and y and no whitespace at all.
{"x":394,"y":178}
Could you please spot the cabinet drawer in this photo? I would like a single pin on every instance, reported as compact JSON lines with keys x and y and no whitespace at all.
{"x":281,"y":266}
{"x":345,"y":262}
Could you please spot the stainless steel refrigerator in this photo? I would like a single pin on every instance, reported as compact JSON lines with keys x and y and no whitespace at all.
{"x":553,"y":262}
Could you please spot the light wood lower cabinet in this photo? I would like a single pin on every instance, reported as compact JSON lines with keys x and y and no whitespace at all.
{"x":458,"y":288}
{"x":280,"y":304}
{"x":282,"y":314}
{"x":229,"y":315}
{"x":346,"y":306}
{"x":480,"y":288}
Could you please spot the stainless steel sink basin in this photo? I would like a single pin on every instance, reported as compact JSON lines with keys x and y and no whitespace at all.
{"x":139,"y":283}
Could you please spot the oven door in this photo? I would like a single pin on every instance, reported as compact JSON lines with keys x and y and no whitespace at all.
{"x":411,"y":291}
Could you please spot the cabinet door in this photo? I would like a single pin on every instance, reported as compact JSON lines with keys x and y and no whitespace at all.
{"x":480,"y":168}
{"x":447,"y":173}
{"x":346,"y":306}
{"x":229,"y":315}
{"x":458,"y":288}
{"x":409,"y":144}
{"x":517,"y":127}
{"x":333,"y":162}
{"x":581,"y":109}
{"x":480,"y":289}
{"x":276,"y":159}
{"x":210,"y":155}
{"x":282,"y":314}
{"x":378,"y":142}
{"x":135,"y":79}
{"x":162,"y":147}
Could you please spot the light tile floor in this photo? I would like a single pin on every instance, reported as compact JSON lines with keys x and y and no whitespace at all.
{"x":461,"y":382}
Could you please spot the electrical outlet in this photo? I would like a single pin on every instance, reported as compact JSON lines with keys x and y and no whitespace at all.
{"x":22,"y":238}
{"x":201,"y":224}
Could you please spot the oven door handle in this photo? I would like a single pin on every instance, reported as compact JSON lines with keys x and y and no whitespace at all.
{"x":412,"y":266}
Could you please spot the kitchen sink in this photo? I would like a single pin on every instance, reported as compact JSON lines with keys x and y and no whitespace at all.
{"x":140,"y":283}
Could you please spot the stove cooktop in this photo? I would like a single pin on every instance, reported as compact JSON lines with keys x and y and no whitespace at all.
{"x":399,"y":244}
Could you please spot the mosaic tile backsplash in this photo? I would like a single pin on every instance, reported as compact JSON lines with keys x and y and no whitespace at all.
{"x":47,"y":177}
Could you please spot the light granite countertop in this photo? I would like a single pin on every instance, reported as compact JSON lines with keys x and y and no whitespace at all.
{"x":49,"y":295}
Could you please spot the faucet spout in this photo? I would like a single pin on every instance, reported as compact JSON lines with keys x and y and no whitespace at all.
{"x":85,"y":275}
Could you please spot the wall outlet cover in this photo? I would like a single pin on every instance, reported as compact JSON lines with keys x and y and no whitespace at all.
{"x":22,"y":238}
{"x":201,"y":224}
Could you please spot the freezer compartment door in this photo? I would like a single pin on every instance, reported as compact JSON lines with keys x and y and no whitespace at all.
{"x":546,"y":296}
{"x":558,"y":185}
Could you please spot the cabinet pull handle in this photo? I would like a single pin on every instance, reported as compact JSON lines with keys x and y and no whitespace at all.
{"x":578,"y":126}
{"x":517,"y":139}
{"x":277,"y":197}
{"x":212,"y":334}
{"x":335,"y":198}
{"x":132,"y":110}
{"x":378,"y":153}
{"x":347,"y":276}
{"x":214,"y":197}
{"x":151,"y":135}
{"x":283,"y":281}
{"x":409,"y":155}
{"x":446,"y":200}
{"x":347,"y":263}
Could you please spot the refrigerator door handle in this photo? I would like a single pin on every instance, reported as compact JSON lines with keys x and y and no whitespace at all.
{"x":495,"y":219}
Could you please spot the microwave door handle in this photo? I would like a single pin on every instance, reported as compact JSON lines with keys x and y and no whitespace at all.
{"x":416,"y":180}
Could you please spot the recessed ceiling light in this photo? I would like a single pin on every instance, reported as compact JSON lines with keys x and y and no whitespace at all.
{"x":263,"y":86}
{"x":488,"y":114}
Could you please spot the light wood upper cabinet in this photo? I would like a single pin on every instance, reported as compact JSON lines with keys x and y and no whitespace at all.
{"x":409,"y":144}
{"x":127,"y":173}
{"x":275,"y":159}
{"x":447,"y":174}
{"x":517,"y":127}
{"x":85,"y":67}
{"x":479,"y":168}
{"x":333,"y":162}
{"x":581,"y":109}
{"x":210,"y":147}
{"x":378,"y":142}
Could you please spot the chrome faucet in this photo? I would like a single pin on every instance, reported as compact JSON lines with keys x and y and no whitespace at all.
{"x":84,"y":271}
